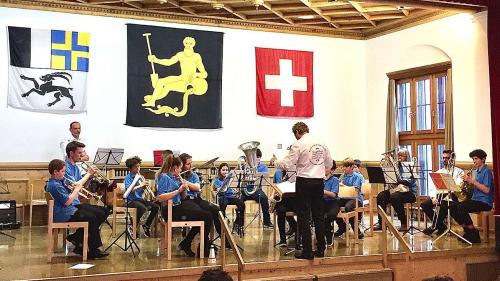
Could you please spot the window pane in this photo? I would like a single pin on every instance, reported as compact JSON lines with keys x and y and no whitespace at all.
{"x":440,"y":101}
{"x":424,"y":155}
{"x":423,"y":105}
{"x":404,"y":107}
{"x":440,"y":153}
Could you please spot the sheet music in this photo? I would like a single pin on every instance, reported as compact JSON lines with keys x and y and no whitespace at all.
{"x":390,"y":175}
{"x":286,"y":187}
{"x":109,"y":156}
{"x":443,"y":181}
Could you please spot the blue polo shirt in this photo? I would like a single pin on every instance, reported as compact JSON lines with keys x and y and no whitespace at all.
{"x":193,"y":178}
{"x":332,"y":185}
{"x":355,"y":180}
{"x":167,"y":183}
{"x":72,"y":172}
{"x":230,"y":192}
{"x":61,"y":193}
{"x":137,"y":194}
{"x":278,"y":176}
{"x":262,"y":168}
{"x":484,"y":176}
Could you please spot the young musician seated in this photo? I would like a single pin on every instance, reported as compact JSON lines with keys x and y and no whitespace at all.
{"x":357,"y":168}
{"x":135,"y":199}
{"x":259,"y":195}
{"x":230,"y":197}
{"x":67,"y":208}
{"x":287,"y":204}
{"x":331,"y":198}
{"x":194,"y":188}
{"x":349,"y":178}
{"x":428,"y":204}
{"x":172,"y":186}
{"x":482,"y":196}
{"x":398,"y":198}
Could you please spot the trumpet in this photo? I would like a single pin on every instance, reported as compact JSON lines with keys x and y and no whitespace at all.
{"x":99,"y":175}
{"x":83,"y":192}
{"x":139,"y":179}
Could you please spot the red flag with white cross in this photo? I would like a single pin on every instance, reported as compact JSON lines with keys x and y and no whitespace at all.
{"x":284,"y":82}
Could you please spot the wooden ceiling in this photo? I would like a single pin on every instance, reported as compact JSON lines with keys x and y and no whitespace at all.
{"x":335,"y":18}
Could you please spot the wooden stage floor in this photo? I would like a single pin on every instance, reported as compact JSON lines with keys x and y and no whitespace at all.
{"x":25,"y":257}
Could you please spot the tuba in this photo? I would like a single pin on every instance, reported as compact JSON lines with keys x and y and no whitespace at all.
{"x":390,"y":161}
{"x":248,"y":166}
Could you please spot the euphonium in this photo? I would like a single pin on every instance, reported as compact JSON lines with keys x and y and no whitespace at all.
{"x":99,"y":175}
{"x":83,"y":192}
{"x":248,"y":165}
{"x":466,"y":189}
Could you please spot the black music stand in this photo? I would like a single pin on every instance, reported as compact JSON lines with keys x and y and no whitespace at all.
{"x":6,"y":205}
{"x":129,"y":240}
{"x":108,"y":156}
{"x":385,"y":176}
{"x":409,"y":170}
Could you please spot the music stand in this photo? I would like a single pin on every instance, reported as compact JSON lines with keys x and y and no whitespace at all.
{"x":129,"y":240}
{"x":446,"y":182}
{"x":385,"y":176}
{"x":288,"y":190}
{"x":108,"y":156}
{"x":409,"y":171}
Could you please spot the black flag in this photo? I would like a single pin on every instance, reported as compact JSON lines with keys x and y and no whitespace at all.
{"x":174,"y":77}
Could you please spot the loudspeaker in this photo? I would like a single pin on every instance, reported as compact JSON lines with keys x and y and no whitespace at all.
{"x":7,"y":212}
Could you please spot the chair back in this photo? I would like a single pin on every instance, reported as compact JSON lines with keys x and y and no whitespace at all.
{"x":366,"y":190}
{"x":50,"y":203}
{"x":347,"y":191}
{"x":118,"y":192}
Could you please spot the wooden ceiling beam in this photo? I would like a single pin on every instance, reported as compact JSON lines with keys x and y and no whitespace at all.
{"x":231,"y":10}
{"x":299,"y":14}
{"x":429,"y":5}
{"x":185,"y":9}
{"x":278,"y":13}
{"x":359,"y":8}
{"x":387,"y":17}
{"x":311,"y":21}
{"x":137,"y":5}
{"x":356,"y":26}
{"x":262,"y":17}
{"x":322,"y":4}
{"x":319,"y":12}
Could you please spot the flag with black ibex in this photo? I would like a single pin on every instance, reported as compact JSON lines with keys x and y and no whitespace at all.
{"x":174,"y":77}
{"x":48,"y":69}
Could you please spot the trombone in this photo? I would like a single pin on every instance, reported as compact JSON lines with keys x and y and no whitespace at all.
{"x":83,"y":192}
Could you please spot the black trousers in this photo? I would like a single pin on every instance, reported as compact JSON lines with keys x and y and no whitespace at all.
{"x":261,"y":197}
{"x":332,"y":209}
{"x":213,"y":209}
{"x":95,"y":216}
{"x":396,"y":199}
{"x":460,"y":212}
{"x":142,"y":206}
{"x":188,"y":210}
{"x":349,"y":206}
{"x":309,"y":200}
{"x":240,"y":207}
{"x":428,"y":208}
{"x":286,"y":205}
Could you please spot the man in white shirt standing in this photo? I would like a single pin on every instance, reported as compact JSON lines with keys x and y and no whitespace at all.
{"x":311,"y":158}
{"x":75,"y":129}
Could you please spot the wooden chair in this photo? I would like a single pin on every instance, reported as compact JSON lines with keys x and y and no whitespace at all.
{"x":169,"y":224}
{"x":484,"y":222}
{"x":54,"y":227}
{"x":30,"y":202}
{"x":119,"y":207}
{"x":368,"y":203}
{"x":352,"y":193}
{"x":410,"y":207}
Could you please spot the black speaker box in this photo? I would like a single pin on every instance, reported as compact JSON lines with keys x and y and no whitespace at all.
{"x":8,"y":212}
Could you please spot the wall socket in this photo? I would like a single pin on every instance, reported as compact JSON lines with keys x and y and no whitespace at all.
{"x":279,"y":146}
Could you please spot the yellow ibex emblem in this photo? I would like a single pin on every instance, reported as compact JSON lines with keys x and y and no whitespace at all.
{"x":191,"y":81}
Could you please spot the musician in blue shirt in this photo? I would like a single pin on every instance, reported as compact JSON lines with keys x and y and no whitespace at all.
{"x":349,"y":178}
{"x":194,"y":188}
{"x":68,"y":209}
{"x":230,"y":197}
{"x":135,"y":199}
{"x":259,"y":195}
{"x":482,"y":196}
{"x":171,"y":186}
{"x":331,"y":198}
{"x":398,"y":197}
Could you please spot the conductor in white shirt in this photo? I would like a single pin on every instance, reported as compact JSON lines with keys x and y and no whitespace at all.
{"x":75,"y":128}
{"x":311,"y":158}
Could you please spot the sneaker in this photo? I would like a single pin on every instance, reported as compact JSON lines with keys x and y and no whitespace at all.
{"x":185,"y":246}
{"x":299,"y":254}
{"x":281,"y":244}
{"x":268,"y":225}
{"x":78,"y":250}
{"x":97,"y":254}
{"x":428,"y":231}
{"x":72,"y":239}
{"x":146,"y":229}
{"x":319,"y":253}
{"x":360,"y":234}
{"x":441,"y":230}
{"x":473,"y":236}
{"x":339,"y":233}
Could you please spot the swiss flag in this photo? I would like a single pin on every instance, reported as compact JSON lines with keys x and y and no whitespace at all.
{"x":284,"y":82}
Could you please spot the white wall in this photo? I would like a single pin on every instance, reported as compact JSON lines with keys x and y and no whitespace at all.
{"x":460,"y":39}
{"x":339,"y":67}
{"x":350,"y":86}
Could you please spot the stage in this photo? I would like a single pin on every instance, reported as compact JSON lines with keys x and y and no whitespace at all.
{"x":25,"y":259}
